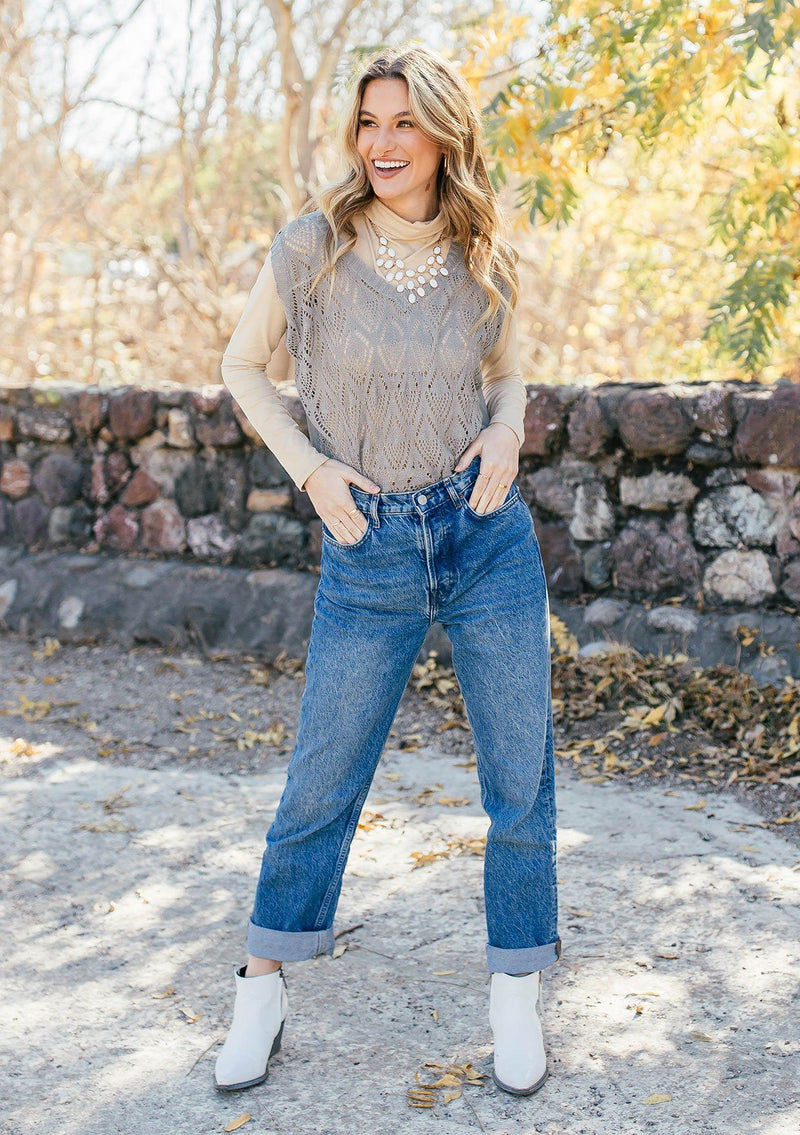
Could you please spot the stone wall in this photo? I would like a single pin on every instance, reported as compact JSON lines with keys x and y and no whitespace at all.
{"x":638,"y":493}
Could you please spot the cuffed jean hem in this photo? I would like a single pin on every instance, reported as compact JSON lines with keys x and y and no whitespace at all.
{"x":524,"y":960}
{"x":288,"y":945}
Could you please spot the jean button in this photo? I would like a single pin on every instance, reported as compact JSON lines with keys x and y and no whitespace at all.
{"x":422,"y":499}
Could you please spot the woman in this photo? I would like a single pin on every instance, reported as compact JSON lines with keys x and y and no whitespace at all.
{"x":405,"y":361}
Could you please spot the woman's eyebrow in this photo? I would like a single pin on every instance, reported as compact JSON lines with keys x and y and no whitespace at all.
{"x":400,"y":114}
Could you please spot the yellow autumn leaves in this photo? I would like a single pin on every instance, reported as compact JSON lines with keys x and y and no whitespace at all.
{"x":448,"y":1087}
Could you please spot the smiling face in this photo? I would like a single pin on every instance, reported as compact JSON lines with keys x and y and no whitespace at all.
{"x":388,"y":134}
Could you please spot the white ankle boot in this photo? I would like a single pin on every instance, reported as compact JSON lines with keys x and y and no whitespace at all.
{"x":256,"y":1030}
{"x":520,"y":1065}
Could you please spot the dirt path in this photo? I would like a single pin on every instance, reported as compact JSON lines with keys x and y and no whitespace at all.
{"x":128,"y":879}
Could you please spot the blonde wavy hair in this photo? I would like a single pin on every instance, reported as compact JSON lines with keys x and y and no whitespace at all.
{"x":444,"y":108}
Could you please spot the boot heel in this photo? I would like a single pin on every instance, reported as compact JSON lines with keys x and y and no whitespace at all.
{"x":276,"y":1044}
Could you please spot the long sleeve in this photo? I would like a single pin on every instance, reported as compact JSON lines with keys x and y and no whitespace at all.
{"x":503,"y":388}
{"x":256,"y":339}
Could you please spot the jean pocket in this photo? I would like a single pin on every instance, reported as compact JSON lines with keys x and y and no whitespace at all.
{"x":512,"y":496}
{"x":329,"y":537}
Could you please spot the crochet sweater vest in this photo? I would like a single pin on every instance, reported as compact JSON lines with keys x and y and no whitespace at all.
{"x":389,"y":387}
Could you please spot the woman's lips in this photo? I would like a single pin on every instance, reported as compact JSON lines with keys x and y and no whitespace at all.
{"x":387,"y":173}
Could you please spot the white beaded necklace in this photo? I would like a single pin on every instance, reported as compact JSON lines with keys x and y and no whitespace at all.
{"x":410,"y":280}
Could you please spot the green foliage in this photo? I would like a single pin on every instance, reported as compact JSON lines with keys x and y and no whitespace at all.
{"x":665,"y":73}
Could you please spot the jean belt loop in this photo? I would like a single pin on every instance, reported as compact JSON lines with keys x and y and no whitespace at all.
{"x":373,"y":510}
{"x":453,"y":491}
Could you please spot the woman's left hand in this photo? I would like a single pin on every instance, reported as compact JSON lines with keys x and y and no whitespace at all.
{"x":498,"y":446}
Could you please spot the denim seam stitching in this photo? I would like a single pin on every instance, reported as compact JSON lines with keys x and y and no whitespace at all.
{"x":343,"y":851}
{"x":432,"y":582}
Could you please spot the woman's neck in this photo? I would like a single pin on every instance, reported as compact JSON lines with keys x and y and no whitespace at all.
{"x":394,"y":225}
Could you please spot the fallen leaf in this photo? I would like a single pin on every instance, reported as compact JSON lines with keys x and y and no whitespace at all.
{"x":447,"y":1081}
{"x":22,"y":748}
{"x":655,"y":715}
{"x":167,"y":993}
{"x":658,"y":1097}
{"x":240,"y":1121}
{"x":51,"y":646}
{"x":34,"y":710}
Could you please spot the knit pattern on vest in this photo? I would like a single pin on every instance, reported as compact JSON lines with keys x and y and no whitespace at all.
{"x":392,"y":388}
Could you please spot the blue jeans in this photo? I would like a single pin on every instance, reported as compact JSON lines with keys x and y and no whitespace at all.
{"x":425,"y":557}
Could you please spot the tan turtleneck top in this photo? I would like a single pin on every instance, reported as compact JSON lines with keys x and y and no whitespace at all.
{"x":256,"y":356}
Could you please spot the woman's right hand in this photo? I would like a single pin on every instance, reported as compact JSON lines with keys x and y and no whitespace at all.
{"x":328,"y":488}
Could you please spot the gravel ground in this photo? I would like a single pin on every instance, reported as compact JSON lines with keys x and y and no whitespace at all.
{"x":137,"y":790}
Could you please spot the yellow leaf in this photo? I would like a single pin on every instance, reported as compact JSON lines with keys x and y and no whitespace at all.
{"x":452,"y":1096}
{"x":446,"y":1081}
{"x":167,"y":993}
{"x":658,"y":1097}
{"x":444,"y":972}
{"x":33,"y":710}
{"x":22,"y":748}
{"x":190,"y":1015}
{"x":240,"y":1121}
{"x":565,"y":640}
{"x":655,"y":715}
{"x":695,"y":807}
{"x":422,"y":1096}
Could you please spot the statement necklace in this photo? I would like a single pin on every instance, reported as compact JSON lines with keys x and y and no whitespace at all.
{"x":412,"y":281}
